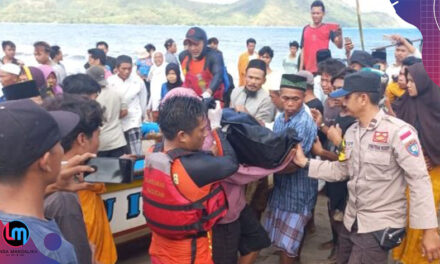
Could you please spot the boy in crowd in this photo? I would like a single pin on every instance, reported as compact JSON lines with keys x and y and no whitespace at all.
{"x":30,"y":161}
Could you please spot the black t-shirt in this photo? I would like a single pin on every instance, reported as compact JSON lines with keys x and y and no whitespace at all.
{"x":317,"y":104}
{"x":111,"y":62}
{"x":344,"y":122}
{"x":204,"y":168}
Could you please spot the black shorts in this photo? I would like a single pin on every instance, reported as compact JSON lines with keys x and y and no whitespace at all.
{"x":245,"y":235}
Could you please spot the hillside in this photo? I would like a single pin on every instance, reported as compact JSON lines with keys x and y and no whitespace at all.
{"x":169,"y":12}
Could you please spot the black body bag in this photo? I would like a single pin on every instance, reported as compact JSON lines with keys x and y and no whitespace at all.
{"x":256,"y":145}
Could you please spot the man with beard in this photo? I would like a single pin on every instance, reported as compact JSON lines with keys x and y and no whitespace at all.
{"x":254,"y":100}
{"x":251,"y":98}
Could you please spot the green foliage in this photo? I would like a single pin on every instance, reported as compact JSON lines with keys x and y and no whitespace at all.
{"x":184,"y":12}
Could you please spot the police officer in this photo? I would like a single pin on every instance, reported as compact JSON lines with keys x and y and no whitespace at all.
{"x":380,"y":156}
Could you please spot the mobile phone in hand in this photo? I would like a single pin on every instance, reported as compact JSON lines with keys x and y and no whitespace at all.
{"x":110,"y":170}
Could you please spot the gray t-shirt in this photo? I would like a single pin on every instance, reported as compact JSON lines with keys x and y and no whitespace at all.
{"x":111,"y":136}
{"x":39,"y":229}
{"x":65,"y":209}
{"x":290,"y":65}
{"x":260,"y":106}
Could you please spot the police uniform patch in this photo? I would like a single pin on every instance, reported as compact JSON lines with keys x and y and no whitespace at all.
{"x":413,"y":148}
{"x":380,"y":148}
{"x":406,"y":136}
{"x":380,"y":137}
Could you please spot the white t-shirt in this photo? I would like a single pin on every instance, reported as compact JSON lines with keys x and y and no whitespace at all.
{"x":317,"y":89}
{"x":134,"y":93}
{"x":273,"y":81}
{"x":394,"y":69}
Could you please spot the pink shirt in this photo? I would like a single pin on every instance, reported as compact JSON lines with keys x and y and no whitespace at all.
{"x":235,"y":187}
{"x":107,"y":73}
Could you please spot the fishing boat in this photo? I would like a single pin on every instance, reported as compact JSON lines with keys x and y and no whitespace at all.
{"x":123,"y":203}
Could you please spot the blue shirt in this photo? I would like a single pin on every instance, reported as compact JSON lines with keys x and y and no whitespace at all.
{"x":143,"y":66}
{"x":296,"y":192}
{"x":38,"y":230}
{"x":163,"y":91}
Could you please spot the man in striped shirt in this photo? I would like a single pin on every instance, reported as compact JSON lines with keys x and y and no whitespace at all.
{"x":294,"y":195}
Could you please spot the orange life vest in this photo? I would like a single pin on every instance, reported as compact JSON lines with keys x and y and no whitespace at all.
{"x":198,"y":77}
{"x":174,"y":206}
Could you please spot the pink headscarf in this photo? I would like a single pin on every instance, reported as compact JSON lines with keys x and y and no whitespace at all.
{"x":47,"y":70}
{"x":188,"y":92}
{"x":180,"y":91}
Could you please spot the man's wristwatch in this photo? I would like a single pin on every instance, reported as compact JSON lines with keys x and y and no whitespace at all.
{"x":307,"y":164}
{"x":321,"y":126}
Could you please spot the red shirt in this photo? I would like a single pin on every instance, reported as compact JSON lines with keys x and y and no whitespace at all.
{"x":314,"y":39}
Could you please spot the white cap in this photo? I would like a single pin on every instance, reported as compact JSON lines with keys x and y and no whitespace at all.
{"x":275,"y":81}
{"x":11,"y":68}
{"x":142,"y":54}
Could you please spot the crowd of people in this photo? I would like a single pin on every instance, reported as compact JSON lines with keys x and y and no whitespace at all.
{"x":368,"y":128}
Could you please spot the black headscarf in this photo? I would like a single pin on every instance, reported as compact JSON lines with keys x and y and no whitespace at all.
{"x":176,"y":69}
{"x":423,"y":111}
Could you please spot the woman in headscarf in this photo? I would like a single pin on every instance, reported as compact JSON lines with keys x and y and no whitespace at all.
{"x":172,"y":72}
{"x":157,"y":77}
{"x":420,"y":107}
{"x":53,"y":87}
{"x":36,"y":75}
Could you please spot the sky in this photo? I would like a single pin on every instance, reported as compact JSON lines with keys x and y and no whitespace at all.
{"x":372,"y":5}
{"x":366,"y":5}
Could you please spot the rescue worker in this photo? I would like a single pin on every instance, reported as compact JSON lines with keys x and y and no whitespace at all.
{"x":202,"y":66}
{"x":182,"y":195}
{"x":380,"y":155}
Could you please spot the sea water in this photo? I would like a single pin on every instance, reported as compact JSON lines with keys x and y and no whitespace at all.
{"x":76,"y":39}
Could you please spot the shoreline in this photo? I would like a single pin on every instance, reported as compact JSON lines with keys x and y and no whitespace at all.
{"x":188,"y":25}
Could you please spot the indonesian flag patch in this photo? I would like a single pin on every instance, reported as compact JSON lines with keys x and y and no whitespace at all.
{"x":409,"y":140}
